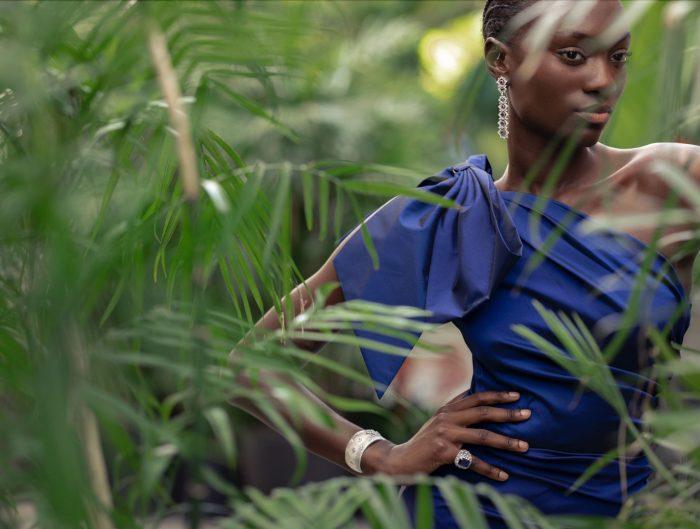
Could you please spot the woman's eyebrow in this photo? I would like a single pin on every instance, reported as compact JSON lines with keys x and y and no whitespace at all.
{"x":580,"y":35}
{"x":627,"y":35}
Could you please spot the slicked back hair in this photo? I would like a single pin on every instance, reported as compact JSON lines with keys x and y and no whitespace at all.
{"x":497,"y":14}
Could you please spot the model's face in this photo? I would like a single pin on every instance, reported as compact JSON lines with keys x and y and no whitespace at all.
{"x":576,"y":70}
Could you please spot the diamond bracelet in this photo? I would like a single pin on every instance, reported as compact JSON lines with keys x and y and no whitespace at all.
{"x":357,"y":445}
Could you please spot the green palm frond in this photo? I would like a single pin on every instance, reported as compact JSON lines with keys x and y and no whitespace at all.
{"x":170,"y":170}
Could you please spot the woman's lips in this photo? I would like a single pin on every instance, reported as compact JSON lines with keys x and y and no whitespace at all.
{"x":595,"y":117}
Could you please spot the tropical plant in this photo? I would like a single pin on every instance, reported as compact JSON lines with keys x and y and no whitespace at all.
{"x":160,"y":182}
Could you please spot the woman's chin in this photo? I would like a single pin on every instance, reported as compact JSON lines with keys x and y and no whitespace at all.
{"x":590,"y":137}
{"x":587,"y":133}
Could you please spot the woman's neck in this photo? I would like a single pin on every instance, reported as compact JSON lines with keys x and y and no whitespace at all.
{"x":585,"y":166}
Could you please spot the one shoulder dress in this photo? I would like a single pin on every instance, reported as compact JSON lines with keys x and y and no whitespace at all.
{"x":491,"y":267}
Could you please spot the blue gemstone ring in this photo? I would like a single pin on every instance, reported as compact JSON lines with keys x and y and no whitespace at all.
{"x":463,"y":459}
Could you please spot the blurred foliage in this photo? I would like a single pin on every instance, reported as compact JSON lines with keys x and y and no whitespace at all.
{"x":122,"y":289}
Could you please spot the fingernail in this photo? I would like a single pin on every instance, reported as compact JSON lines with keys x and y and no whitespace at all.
{"x":513,"y":394}
{"x":522,"y":445}
{"x":525,"y":413}
{"x":502,"y":475}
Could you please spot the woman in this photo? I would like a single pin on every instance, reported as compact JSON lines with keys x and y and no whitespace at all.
{"x":470,"y":267}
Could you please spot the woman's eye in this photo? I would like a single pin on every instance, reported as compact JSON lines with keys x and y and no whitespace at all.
{"x":571,"y":54}
{"x":622,"y":56}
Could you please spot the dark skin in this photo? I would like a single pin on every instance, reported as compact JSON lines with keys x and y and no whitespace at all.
{"x":573,"y":73}
{"x":542,"y":111}
{"x":435,"y":444}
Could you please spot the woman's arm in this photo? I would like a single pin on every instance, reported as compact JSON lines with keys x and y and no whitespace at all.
{"x":436,"y":443}
{"x":325,"y":442}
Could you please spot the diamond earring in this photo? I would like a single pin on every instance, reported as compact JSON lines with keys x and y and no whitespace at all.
{"x":503,"y":107}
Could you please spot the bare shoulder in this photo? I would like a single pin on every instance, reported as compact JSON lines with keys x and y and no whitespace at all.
{"x":684,"y":155}
{"x":678,"y":153}
{"x":681,"y":154}
{"x":640,"y":168}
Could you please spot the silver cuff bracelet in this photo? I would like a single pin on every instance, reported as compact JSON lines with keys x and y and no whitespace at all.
{"x":357,"y":445}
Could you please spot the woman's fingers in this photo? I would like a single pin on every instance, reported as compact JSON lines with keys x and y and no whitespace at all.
{"x":484,"y":468}
{"x":460,"y":412}
{"x":477,"y":436}
{"x":489,"y":414}
{"x":480,"y":399}
{"x":488,"y":470}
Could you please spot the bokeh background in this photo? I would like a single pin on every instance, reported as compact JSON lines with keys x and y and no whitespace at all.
{"x":138,"y":247}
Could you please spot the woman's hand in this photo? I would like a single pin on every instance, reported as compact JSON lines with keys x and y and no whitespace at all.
{"x":441,"y":437}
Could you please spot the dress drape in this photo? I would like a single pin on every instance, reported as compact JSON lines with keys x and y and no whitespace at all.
{"x":484,"y":268}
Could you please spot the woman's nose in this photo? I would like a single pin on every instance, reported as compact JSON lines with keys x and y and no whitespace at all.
{"x":603,"y":78}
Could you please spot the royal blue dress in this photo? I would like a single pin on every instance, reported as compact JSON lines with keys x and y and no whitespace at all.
{"x":483,"y":268}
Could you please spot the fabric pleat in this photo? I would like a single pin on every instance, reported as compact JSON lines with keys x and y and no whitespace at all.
{"x":472,"y":267}
{"x":441,"y":259}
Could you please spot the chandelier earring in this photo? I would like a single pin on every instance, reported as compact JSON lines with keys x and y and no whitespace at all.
{"x":503,"y":106}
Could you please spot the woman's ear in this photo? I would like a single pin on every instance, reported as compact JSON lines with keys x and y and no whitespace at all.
{"x":495,"y":53}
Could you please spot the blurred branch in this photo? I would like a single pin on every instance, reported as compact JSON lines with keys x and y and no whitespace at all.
{"x":178,"y":117}
{"x":97,"y":469}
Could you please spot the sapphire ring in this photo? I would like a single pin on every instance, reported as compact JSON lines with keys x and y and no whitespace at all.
{"x":463,"y":459}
